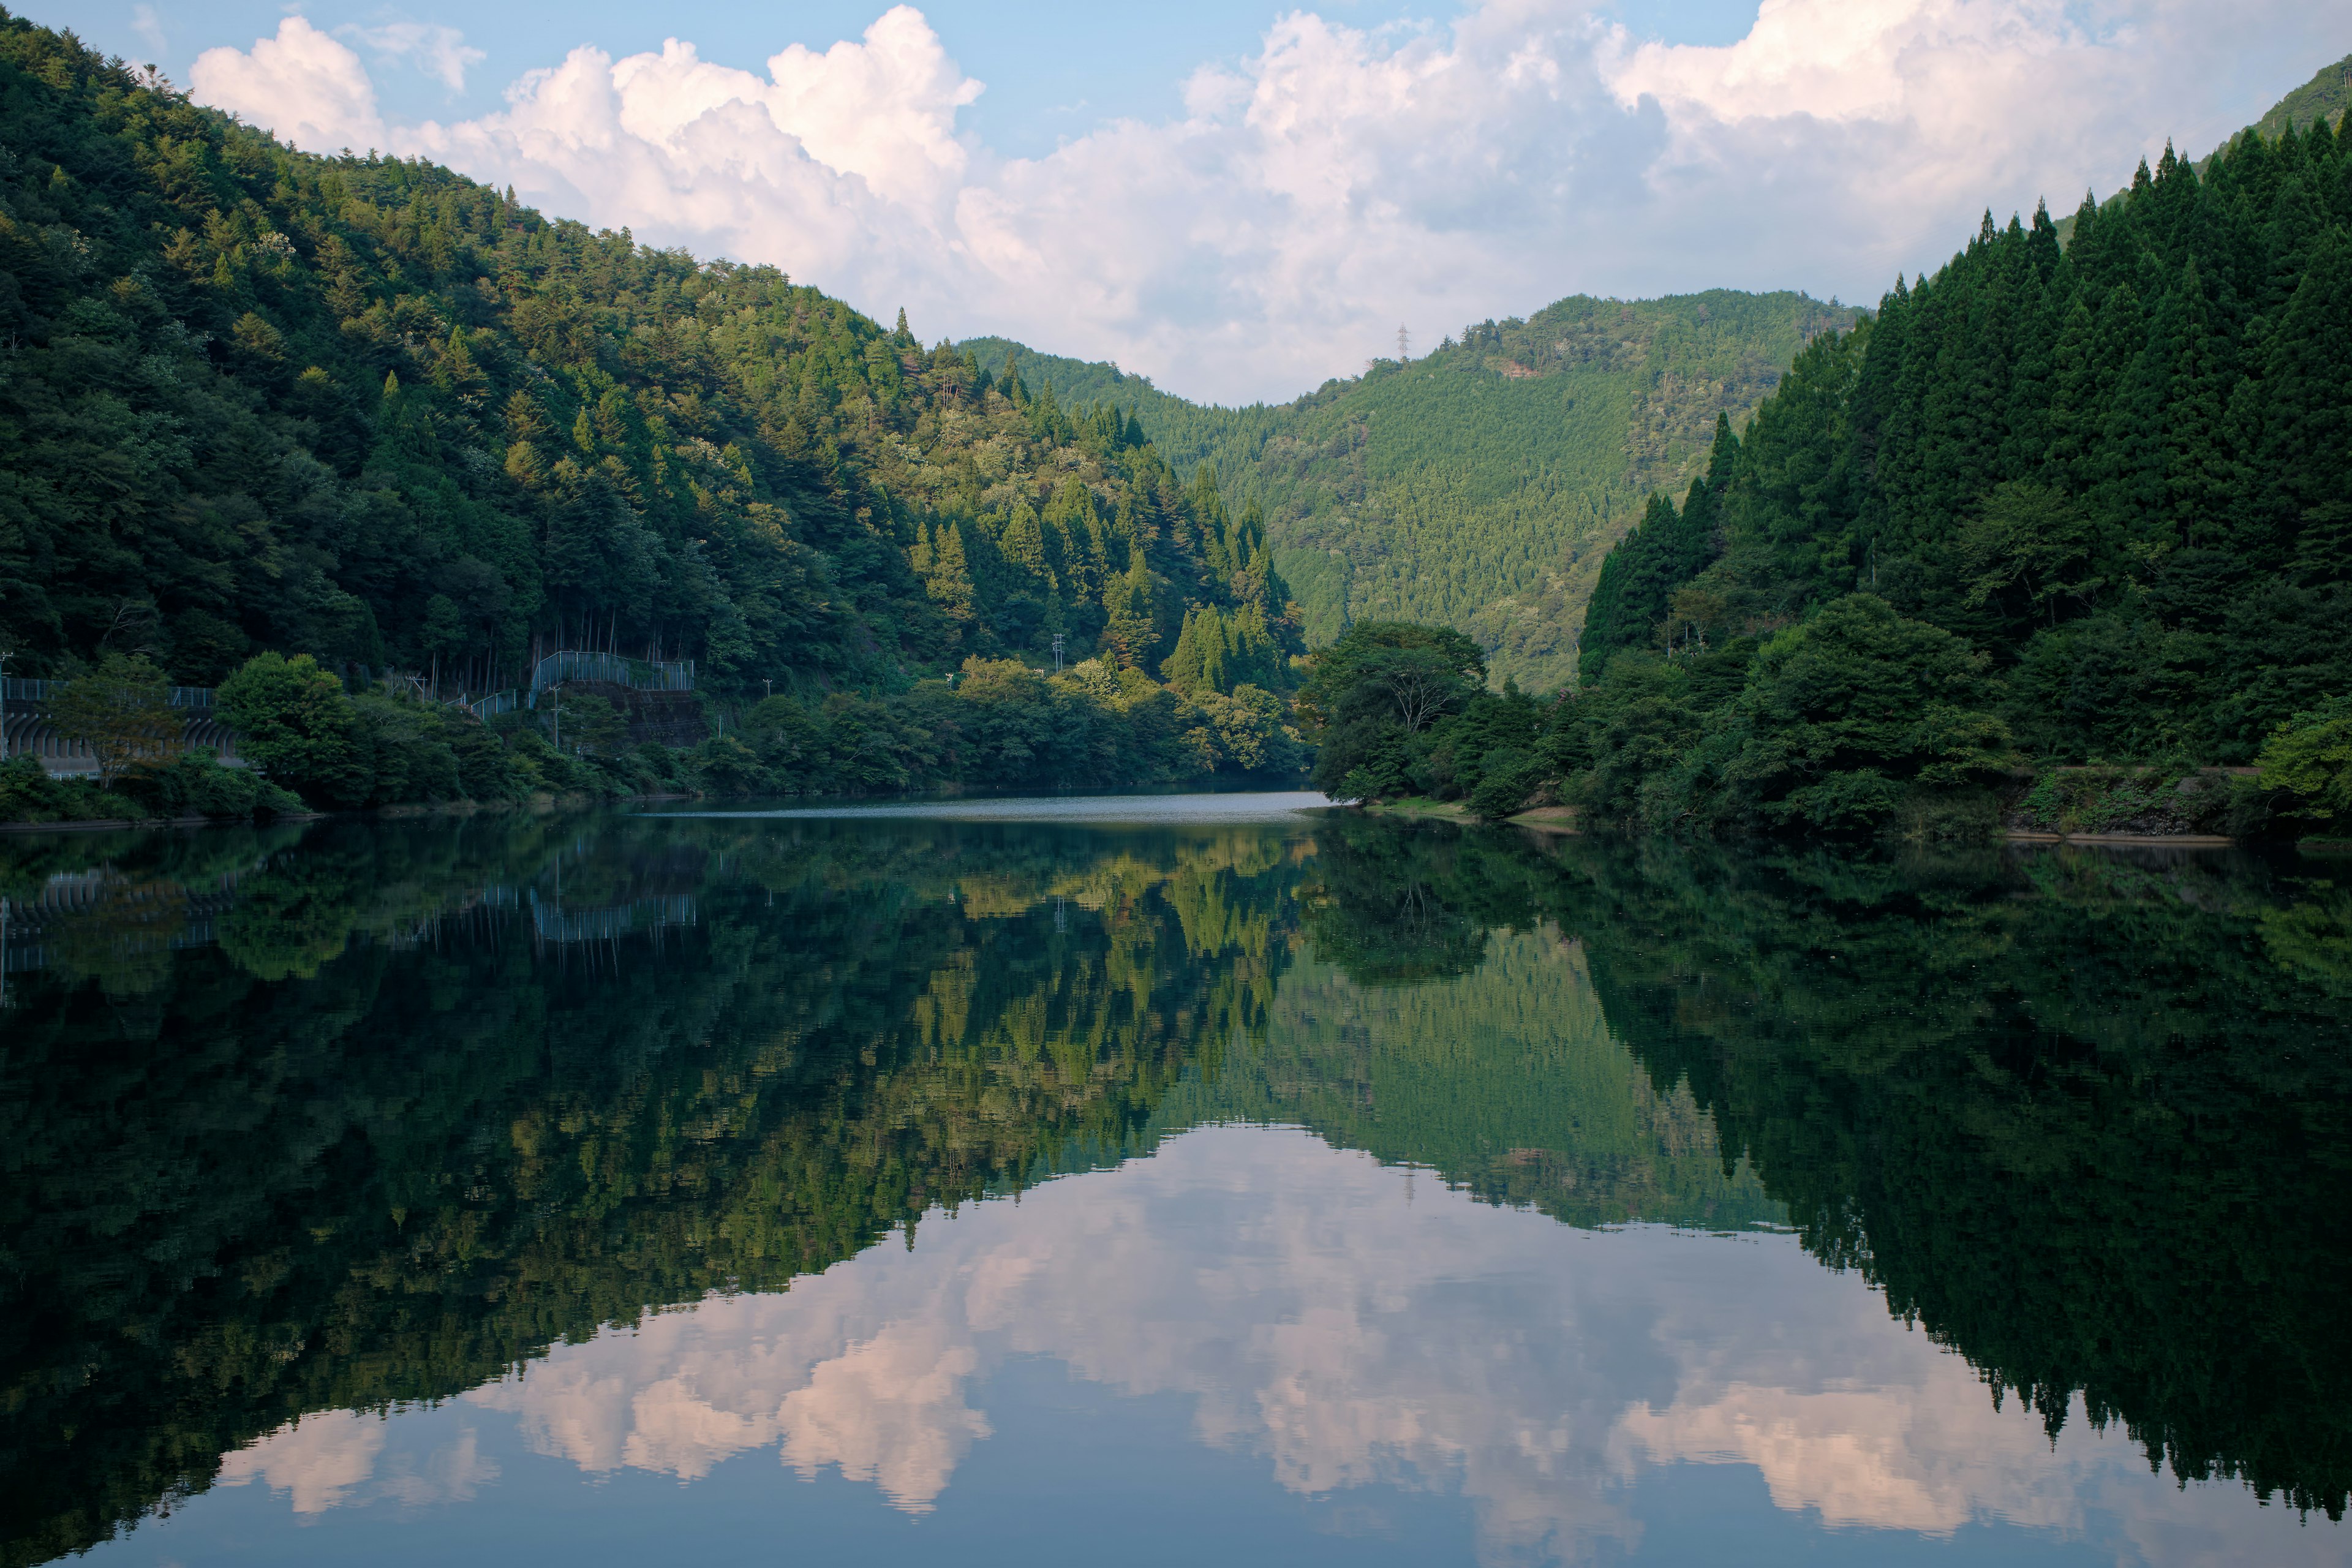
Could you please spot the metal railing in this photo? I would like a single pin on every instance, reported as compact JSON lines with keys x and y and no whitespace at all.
{"x":191,"y":697}
{"x":640,"y":674}
{"x":496,"y":703}
{"x":27,"y":729}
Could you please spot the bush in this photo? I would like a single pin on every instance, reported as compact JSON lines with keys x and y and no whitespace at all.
{"x":403,"y":750}
{"x":2308,"y":759}
{"x":294,"y":721}
{"x":2143,"y":800}
{"x":27,"y":794}
{"x":197,"y":786}
{"x":1508,"y":785}
{"x":1848,"y":714}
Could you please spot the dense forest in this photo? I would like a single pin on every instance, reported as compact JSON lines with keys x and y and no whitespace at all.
{"x":1479,"y":486}
{"x":2059,"y":505}
{"x":370,"y":412}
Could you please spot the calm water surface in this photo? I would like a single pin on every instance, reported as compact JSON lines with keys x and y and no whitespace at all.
{"x":1166,"y":1179}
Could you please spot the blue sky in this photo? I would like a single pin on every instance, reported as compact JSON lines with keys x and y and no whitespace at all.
{"x":1052,"y":71}
{"x":1242,"y":199}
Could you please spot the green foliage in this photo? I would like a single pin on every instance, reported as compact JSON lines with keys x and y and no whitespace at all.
{"x":27,"y":794}
{"x":1478,"y":487}
{"x":1633,"y":595}
{"x":2152,"y":800}
{"x":1247,"y":730}
{"x":1402,"y":709}
{"x":2110,"y":479}
{"x":373,"y":412}
{"x":1004,"y":725}
{"x":1843,"y":715}
{"x":122,"y":712}
{"x":1215,"y":653}
{"x":196,"y":784}
{"x":591,"y":724}
{"x":294,"y":721}
{"x":1373,"y":696}
{"x":2309,"y":758}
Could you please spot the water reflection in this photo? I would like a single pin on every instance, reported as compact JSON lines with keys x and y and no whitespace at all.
{"x":594,"y":1125}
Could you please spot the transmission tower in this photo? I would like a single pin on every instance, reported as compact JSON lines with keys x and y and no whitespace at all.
{"x":1404,"y":344}
{"x":1057,"y":653}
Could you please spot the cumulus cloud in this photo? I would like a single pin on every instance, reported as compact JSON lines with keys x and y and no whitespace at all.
{"x":1342,"y":1338}
{"x":306,"y":86}
{"x":317,"y":1460}
{"x":1339,"y":182}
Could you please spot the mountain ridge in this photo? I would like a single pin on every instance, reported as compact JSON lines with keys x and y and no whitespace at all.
{"x":1569,"y":419}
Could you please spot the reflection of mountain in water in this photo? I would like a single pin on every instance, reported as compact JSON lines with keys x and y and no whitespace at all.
{"x":1505,"y":1080}
{"x":378,"y":1143}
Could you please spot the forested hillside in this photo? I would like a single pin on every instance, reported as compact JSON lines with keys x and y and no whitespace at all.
{"x":2091,"y":503}
{"x":2326,"y":96}
{"x":1480,"y":486}
{"x":372,"y":410}
{"x":2059,"y":504}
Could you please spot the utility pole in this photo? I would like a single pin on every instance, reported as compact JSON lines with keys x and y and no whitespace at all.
{"x":6,"y":655}
{"x":1404,"y":346}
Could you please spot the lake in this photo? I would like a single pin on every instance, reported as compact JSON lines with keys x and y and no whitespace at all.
{"x":1167,"y":1179}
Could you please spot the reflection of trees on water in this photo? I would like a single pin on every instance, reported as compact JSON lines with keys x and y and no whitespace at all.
{"x":381,"y":1141}
{"x":1374,"y":909}
{"x":2078,"y":1114}
{"x":390,"y":1134}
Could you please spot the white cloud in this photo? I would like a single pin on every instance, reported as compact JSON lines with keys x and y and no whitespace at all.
{"x":303,"y":84}
{"x":440,"y":50}
{"x":1343,"y":1338}
{"x":1339,"y":182}
{"x":318,"y":1460}
{"x":337,"y":1458}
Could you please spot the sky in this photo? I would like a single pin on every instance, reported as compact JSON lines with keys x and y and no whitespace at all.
{"x":1241,"y":199}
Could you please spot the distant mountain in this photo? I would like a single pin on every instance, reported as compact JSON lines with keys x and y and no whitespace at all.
{"x":1480,"y":486}
{"x":2324,"y":96}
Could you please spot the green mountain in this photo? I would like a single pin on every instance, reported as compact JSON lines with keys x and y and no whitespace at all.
{"x":2324,"y":96}
{"x":2064,"y":503}
{"x":1478,"y":487}
{"x":2090,"y":502}
{"x":370,"y":410}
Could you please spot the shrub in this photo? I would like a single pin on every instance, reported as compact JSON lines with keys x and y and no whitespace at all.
{"x":27,"y":794}
{"x":2309,"y":760}
{"x":197,"y":786}
{"x":294,"y":721}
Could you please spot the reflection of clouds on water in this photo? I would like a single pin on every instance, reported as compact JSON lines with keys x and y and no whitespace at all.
{"x":323,"y":1459}
{"x":319,"y":1459}
{"x":1349,"y":1339}
{"x":1928,"y":1458}
{"x":1354,"y":1339}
